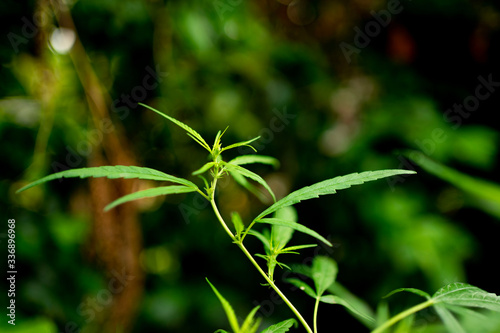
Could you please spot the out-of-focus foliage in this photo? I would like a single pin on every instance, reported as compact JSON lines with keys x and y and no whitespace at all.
{"x":262,"y":68}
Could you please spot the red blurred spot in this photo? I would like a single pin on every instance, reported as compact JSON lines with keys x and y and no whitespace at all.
{"x":400,"y":46}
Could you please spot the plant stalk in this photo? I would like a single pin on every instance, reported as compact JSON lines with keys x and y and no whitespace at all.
{"x":403,"y":315}
{"x":315,"y":318}
{"x":252,"y":260}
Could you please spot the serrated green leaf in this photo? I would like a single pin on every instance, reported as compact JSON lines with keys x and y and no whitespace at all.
{"x":191,"y":132}
{"x":243,"y":143}
{"x":281,"y":327}
{"x":323,"y":272}
{"x":411,"y":290}
{"x":248,"y":159}
{"x":450,"y":296}
{"x":332,"y":299}
{"x":250,"y":325}
{"x":464,"y":294}
{"x":203,"y":169}
{"x":249,"y":174}
{"x":295,"y":226}
{"x":238,"y":223}
{"x":330,"y":186}
{"x":450,"y":322}
{"x":112,"y":172}
{"x":303,"y":286}
{"x":152,"y":192}
{"x":231,"y":316}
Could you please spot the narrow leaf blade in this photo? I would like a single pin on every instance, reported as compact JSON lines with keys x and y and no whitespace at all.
{"x":247,"y":185}
{"x":195,"y":135}
{"x":331,"y":299}
{"x":112,"y":172}
{"x":248,"y":159}
{"x":360,"y":305}
{"x":330,"y":186}
{"x":451,"y":323}
{"x":261,"y":237}
{"x":239,"y":144}
{"x":152,"y":192}
{"x":297,"y":247}
{"x":250,"y":321}
{"x":203,"y":169}
{"x":295,"y":226}
{"x":231,"y":316}
{"x":249,"y":174}
{"x":411,"y":290}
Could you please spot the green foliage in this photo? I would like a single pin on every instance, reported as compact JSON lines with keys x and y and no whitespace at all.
{"x":453,"y":297}
{"x":112,"y":172}
{"x":330,"y":186}
{"x":249,"y":174}
{"x":250,"y":324}
{"x":231,"y":316}
{"x":294,"y":226}
{"x":191,"y":132}
{"x":152,"y":192}
{"x":323,"y":272}
{"x":281,"y":327}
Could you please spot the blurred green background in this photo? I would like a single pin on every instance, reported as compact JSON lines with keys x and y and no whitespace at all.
{"x":326,"y":99}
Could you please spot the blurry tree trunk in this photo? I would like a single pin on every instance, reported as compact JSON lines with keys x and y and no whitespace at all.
{"x":116,"y":234}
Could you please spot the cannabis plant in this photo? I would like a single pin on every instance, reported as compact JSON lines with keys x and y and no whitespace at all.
{"x":282,"y":221}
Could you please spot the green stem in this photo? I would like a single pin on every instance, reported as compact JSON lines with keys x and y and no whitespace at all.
{"x":276,"y":289}
{"x":221,"y":220}
{"x":252,"y":260}
{"x":315,"y":323}
{"x":403,"y":315}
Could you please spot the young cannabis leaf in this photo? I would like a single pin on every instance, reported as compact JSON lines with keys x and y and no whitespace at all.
{"x":330,"y":186}
{"x":453,"y":297}
{"x":275,"y":241}
{"x":191,"y":132}
{"x":250,"y":324}
{"x":251,"y":159}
